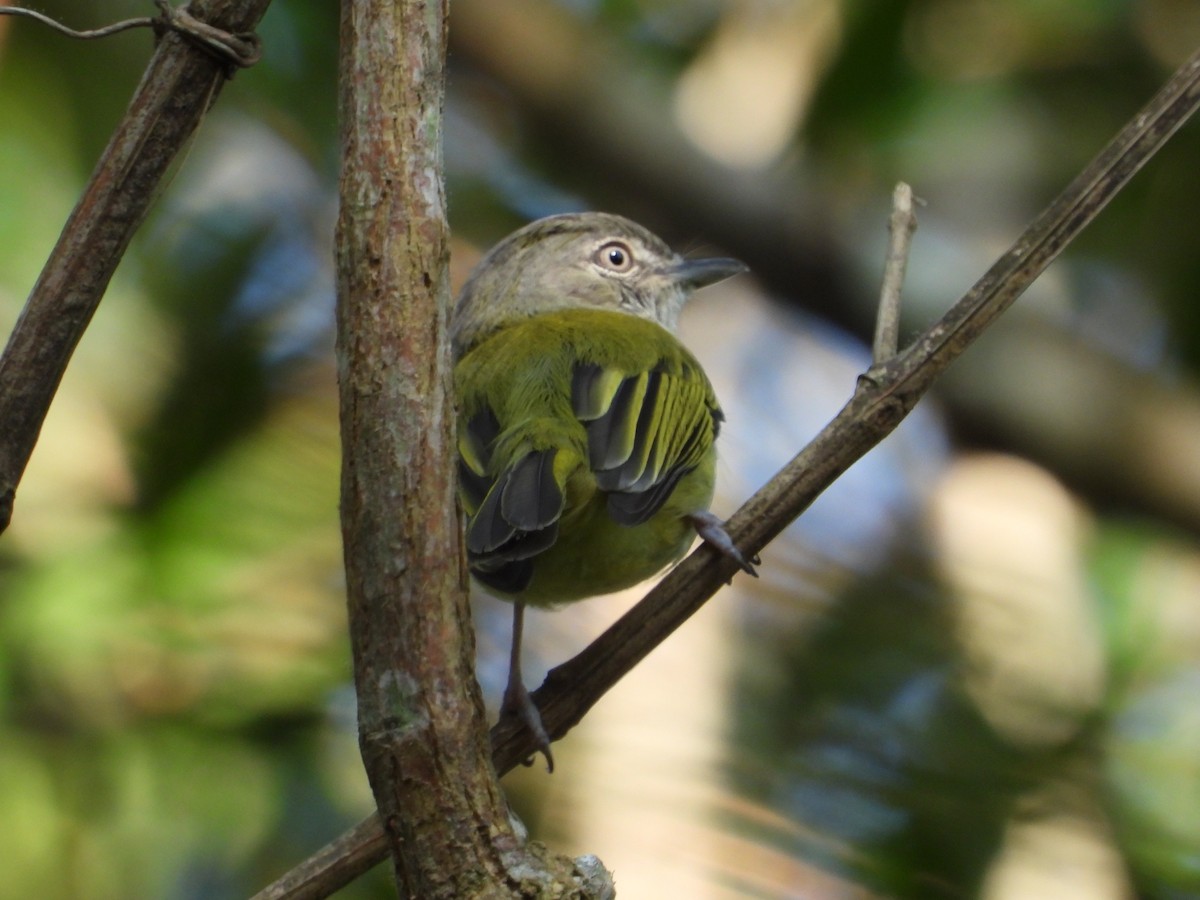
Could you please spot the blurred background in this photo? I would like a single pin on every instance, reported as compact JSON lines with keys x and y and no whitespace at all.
{"x":971,"y":670}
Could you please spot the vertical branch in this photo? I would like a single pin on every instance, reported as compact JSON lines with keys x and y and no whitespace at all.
{"x":421,"y":726}
{"x":179,"y":85}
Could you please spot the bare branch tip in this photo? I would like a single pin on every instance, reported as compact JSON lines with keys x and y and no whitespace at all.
{"x":904,"y":216}
{"x":901,"y":225}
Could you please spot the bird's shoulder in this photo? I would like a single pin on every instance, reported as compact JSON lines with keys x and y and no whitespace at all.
{"x":553,"y":344}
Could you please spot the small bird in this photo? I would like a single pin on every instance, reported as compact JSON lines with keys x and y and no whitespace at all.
{"x":586,"y":430}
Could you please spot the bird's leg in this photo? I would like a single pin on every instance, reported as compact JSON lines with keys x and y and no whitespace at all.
{"x":516,"y":698}
{"x":712,"y":531}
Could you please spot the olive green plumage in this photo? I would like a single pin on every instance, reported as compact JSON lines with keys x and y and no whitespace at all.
{"x":586,"y":430}
{"x":619,"y":421}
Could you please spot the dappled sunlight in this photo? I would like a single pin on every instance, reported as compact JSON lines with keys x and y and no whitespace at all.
{"x":1009,"y":540}
{"x":743,"y":96}
{"x":248,"y":608}
{"x":645,"y":761}
{"x":1162,"y":440}
{"x":1051,"y":850}
{"x":78,"y":476}
{"x":648,"y":792}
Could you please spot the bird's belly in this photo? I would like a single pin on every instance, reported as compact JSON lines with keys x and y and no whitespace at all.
{"x":595,"y":555}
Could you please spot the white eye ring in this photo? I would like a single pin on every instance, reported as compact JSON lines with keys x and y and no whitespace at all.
{"x":614,"y":256}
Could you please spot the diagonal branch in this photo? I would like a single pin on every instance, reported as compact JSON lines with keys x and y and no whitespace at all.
{"x":885,"y":395}
{"x":179,"y":85}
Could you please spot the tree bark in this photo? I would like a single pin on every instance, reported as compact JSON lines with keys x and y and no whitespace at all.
{"x":421,"y":721}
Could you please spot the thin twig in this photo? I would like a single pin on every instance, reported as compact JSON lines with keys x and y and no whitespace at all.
{"x":92,"y":34}
{"x":884,"y":397}
{"x":901,"y":225}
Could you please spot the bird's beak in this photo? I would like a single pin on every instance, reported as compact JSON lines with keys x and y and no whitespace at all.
{"x":698,"y":273}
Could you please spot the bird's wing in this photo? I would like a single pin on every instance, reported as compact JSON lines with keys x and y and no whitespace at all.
{"x":512,"y":513}
{"x":632,"y":430}
{"x":645,"y":431}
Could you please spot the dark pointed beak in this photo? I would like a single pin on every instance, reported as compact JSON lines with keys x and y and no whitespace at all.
{"x":698,"y":273}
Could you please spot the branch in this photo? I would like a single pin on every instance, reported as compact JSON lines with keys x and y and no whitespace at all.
{"x":420,"y":714}
{"x":884,"y":397}
{"x":901,"y":225}
{"x":179,"y":85}
{"x":405,"y":587}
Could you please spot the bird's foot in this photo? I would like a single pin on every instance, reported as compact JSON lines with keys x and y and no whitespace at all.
{"x":517,"y":702}
{"x":712,"y":531}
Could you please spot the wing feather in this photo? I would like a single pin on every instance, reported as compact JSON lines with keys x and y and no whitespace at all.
{"x":592,"y":390}
{"x":531,"y":498}
{"x":656,"y":428}
{"x":534,"y":447}
{"x":475,"y":441}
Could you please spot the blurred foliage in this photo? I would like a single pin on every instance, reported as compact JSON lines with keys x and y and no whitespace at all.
{"x":998,"y":683}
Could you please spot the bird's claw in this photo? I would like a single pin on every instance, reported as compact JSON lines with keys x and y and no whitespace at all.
{"x":517,"y":702}
{"x":712,"y":532}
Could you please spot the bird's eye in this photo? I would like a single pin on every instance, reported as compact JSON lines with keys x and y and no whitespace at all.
{"x":615,"y":256}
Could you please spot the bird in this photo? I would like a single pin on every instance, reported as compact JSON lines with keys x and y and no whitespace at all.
{"x":586,"y":429}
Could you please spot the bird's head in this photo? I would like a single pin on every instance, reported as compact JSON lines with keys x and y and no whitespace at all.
{"x":580,"y":260}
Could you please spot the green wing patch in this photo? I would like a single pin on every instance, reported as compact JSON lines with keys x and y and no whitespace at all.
{"x":645,"y":431}
{"x":544,"y":428}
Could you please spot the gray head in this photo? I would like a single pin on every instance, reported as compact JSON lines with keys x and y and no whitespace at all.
{"x":596,"y":260}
